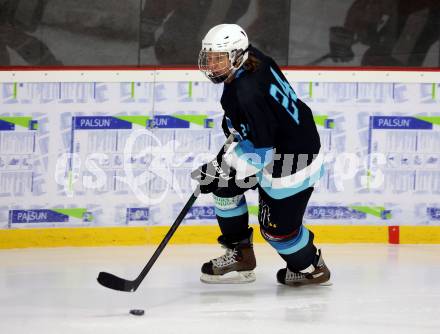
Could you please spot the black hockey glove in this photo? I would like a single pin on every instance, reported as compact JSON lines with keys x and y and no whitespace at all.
{"x":218,"y":177}
{"x":341,"y":41}
{"x":214,"y":175}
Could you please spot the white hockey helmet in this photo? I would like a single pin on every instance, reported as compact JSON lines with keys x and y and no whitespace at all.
{"x":224,"y":51}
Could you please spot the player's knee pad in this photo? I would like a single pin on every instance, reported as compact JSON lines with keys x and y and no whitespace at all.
{"x":227,"y":207}
{"x":296,"y":248}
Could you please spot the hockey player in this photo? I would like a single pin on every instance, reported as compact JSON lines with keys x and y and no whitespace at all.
{"x":397,"y":32}
{"x":275,"y":149}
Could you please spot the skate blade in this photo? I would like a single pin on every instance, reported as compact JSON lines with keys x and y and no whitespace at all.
{"x":234,"y":277}
{"x":328,"y":283}
{"x":307,"y":284}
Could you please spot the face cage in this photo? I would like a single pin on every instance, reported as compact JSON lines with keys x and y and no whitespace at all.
{"x":215,"y":65}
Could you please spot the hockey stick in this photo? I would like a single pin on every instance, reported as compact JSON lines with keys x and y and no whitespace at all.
{"x":319,"y":60}
{"x":116,"y":283}
{"x":327,"y":56}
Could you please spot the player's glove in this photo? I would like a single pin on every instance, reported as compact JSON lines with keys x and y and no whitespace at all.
{"x":214,"y":175}
{"x":341,"y":41}
{"x":218,"y":177}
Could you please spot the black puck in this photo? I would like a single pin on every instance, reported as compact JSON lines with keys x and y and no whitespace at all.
{"x":137,"y":312}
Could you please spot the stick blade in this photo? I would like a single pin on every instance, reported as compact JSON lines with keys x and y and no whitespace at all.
{"x":115,"y":283}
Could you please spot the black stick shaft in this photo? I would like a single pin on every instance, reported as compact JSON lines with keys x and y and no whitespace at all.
{"x":116,"y":283}
{"x":319,"y":60}
{"x":173,"y":228}
{"x":167,"y":238}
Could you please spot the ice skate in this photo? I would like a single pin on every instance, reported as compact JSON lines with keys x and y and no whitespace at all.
{"x":314,"y":274}
{"x":234,"y":267}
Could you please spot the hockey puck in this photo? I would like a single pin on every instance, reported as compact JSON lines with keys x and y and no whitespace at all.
{"x":137,"y":312}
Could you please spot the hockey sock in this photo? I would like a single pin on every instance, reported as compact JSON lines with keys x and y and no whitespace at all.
{"x":232,"y":216}
{"x":296,"y":248}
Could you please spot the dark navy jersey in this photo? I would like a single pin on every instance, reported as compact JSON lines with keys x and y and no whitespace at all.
{"x":263,"y":111}
{"x":263,"y":108}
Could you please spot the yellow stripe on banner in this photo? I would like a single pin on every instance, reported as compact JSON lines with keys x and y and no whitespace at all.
{"x":128,"y":236}
{"x":419,"y":234}
{"x":104,"y":236}
{"x":339,"y":234}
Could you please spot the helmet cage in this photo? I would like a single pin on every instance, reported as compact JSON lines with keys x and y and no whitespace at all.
{"x":218,"y":66}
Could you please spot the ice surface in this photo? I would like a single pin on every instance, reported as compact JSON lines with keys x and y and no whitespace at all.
{"x":376,"y":289}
